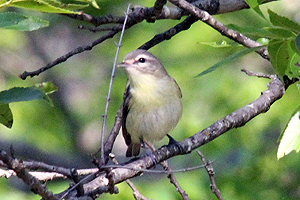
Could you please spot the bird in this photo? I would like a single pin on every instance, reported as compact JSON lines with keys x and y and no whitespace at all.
{"x":152,"y":103}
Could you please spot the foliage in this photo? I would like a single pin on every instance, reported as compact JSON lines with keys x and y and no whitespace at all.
{"x":283,"y":47}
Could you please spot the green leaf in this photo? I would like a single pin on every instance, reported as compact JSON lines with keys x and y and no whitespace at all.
{"x":279,"y":56}
{"x":17,"y":94}
{"x":6,"y":117}
{"x":284,"y":22}
{"x":294,"y":46}
{"x":11,"y":20}
{"x":290,"y":139}
{"x":228,"y":60}
{"x":254,"y":4}
{"x":51,"y":6}
{"x":279,"y":32}
{"x":293,"y":70}
{"x":285,"y":58}
{"x":252,"y":31}
{"x":93,"y":2}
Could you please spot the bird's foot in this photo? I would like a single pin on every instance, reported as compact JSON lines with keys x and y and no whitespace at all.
{"x":172,"y":141}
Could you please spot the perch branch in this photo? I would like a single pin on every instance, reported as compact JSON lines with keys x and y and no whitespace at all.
{"x":236,"y":119}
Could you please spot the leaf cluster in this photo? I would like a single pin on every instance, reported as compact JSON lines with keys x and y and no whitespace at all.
{"x":18,"y":21}
{"x":282,"y":39}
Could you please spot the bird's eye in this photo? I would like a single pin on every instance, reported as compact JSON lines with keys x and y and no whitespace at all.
{"x":142,"y":60}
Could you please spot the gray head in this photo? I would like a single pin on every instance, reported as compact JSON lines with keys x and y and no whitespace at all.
{"x":144,"y":62}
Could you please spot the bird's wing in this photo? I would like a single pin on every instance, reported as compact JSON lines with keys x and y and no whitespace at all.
{"x":125,"y":110}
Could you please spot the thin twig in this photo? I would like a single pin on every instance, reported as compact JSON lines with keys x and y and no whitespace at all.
{"x":173,"y":180}
{"x":154,"y":171}
{"x":171,"y":176}
{"x":34,"y":165}
{"x":257,"y":74}
{"x":64,"y":58}
{"x":102,"y":160}
{"x":211,"y":173}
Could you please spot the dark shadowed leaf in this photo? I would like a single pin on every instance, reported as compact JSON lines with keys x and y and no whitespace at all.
{"x":17,"y":94}
{"x":6,"y":117}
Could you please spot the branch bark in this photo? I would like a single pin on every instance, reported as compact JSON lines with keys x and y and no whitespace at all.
{"x":31,"y":181}
{"x":217,"y":25}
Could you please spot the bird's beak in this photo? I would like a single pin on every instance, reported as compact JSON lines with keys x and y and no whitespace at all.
{"x":123,"y":64}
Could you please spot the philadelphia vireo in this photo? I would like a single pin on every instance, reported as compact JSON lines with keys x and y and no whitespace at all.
{"x":152,"y":105}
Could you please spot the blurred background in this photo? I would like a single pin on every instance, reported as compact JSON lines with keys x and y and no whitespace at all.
{"x":245,"y":162}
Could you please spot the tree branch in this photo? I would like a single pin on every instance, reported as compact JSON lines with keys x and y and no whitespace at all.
{"x":159,"y":11}
{"x":236,"y":119}
{"x":64,"y":58}
{"x":209,"y":20}
{"x":211,"y":174}
{"x":186,"y":24}
{"x":166,"y":12}
{"x":31,"y":181}
{"x":173,"y":180}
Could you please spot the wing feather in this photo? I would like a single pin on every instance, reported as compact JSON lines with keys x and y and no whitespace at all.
{"x":125,"y":110}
